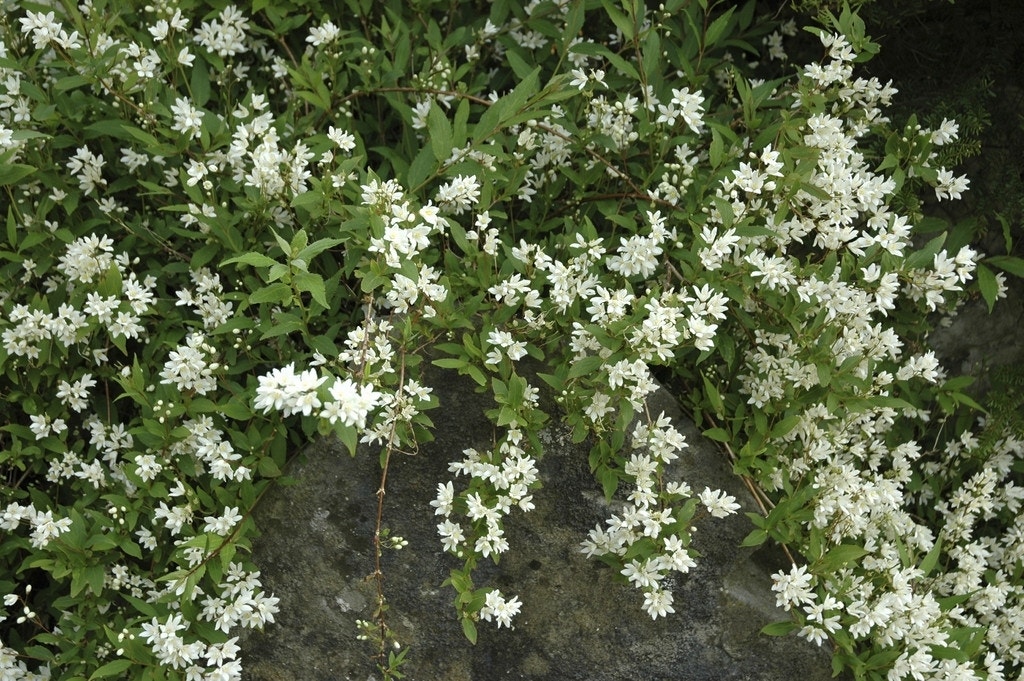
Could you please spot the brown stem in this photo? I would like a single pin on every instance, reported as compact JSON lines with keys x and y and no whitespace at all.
{"x":378,"y":573}
{"x":760,"y":498}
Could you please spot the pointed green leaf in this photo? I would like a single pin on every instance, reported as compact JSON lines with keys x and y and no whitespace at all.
{"x":717,"y":434}
{"x":111,"y":669}
{"x":779,"y":628}
{"x":275,"y":293}
{"x":469,"y":629}
{"x":254,"y":259}
{"x":441,"y":136}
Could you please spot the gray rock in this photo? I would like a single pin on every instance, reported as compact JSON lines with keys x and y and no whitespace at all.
{"x":976,"y":342}
{"x":576,"y":622}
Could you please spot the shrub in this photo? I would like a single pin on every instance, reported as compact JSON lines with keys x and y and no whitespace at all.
{"x":229,"y":233}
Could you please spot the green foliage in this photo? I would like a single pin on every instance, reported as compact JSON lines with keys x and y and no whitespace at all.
{"x":226,"y":235}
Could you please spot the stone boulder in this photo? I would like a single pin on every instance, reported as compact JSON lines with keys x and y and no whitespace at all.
{"x":576,"y":622}
{"x":977,"y":343}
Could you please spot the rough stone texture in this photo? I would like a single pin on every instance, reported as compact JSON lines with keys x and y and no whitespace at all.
{"x":575,"y":623}
{"x":976,"y":341}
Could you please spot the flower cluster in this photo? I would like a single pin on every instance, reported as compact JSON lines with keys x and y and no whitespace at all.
{"x":645,"y":527}
{"x":219,"y":245}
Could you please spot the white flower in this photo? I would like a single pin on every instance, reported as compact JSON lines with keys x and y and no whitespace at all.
{"x":224,"y":523}
{"x":443,"y":503}
{"x":950,"y":187}
{"x":451,"y":535}
{"x":635,"y":255}
{"x":225,"y":35}
{"x":658,"y":603}
{"x":345,"y":140}
{"x":323,"y":34}
{"x":187,"y":369}
{"x":75,"y":395}
{"x":947,"y":132}
{"x":351,"y":403}
{"x":185,"y":57}
{"x":159,"y":29}
{"x":43,"y":27}
{"x":579,"y":79}
{"x":87,"y":169}
{"x":503,"y":340}
{"x":794,"y":588}
{"x":459,"y":195}
{"x":496,"y":607}
{"x":718,"y":503}
{"x":284,"y":390}
{"x":45,"y":528}
{"x":690,"y":107}
{"x":187,"y":119}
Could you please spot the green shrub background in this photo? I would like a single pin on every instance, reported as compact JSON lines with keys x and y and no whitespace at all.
{"x":228,"y":233}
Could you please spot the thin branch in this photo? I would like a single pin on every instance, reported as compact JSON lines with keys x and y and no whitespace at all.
{"x":762,"y":500}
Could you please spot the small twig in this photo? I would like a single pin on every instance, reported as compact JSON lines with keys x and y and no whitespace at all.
{"x":378,"y":573}
{"x":760,"y":498}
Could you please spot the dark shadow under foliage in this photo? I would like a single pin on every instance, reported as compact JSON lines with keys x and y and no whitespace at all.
{"x":962,"y":61}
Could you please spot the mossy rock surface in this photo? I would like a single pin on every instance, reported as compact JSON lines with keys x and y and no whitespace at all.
{"x":576,"y":621}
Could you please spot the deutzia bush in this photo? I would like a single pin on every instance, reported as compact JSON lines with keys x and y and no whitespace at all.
{"x":229,"y":232}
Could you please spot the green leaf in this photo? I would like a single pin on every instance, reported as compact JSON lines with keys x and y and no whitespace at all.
{"x":236,"y":408}
{"x":348,"y":436}
{"x":717,"y":434}
{"x":619,"y":18}
{"x":110,"y":283}
{"x":506,"y":107}
{"x":441,"y":136}
{"x":421,"y":167}
{"x":311,"y":200}
{"x":313,"y":284}
{"x":573,"y":23}
{"x":449,"y":363}
{"x":520,"y":66}
{"x":755,"y":538}
{"x":200,"y":86}
{"x":585,"y":366}
{"x":131,"y":548}
{"x":317,"y":247}
{"x":469,"y":629}
{"x":988,"y":286}
{"x":267,"y":468}
{"x":12,"y":228}
{"x":779,"y":628}
{"x":932,"y":559}
{"x":70,"y":83}
{"x":275,"y":293}
{"x":609,"y":480}
{"x":10,"y":173}
{"x":839,"y":556}
{"x":283,"y":325}
{"x":507,"y":417}
{"x":516,"y":390}
{"x":476,"y":374}
{"x":254,"y":259}
{"x":652,"y":55}
{"x":961,"y":398}
{"x":717,"y":29}
{"x":111,"y":669}
{"x":924,"y":257}
{"x":151,"y":143}
{"x":1007,"y":263}
{"x":713,"y":396}
{"x":785,"y":426}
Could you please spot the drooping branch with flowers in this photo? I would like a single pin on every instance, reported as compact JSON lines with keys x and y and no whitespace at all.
{"x":228,"y":233}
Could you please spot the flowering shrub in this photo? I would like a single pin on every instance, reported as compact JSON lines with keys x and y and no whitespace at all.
{"x":227,"y":232}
